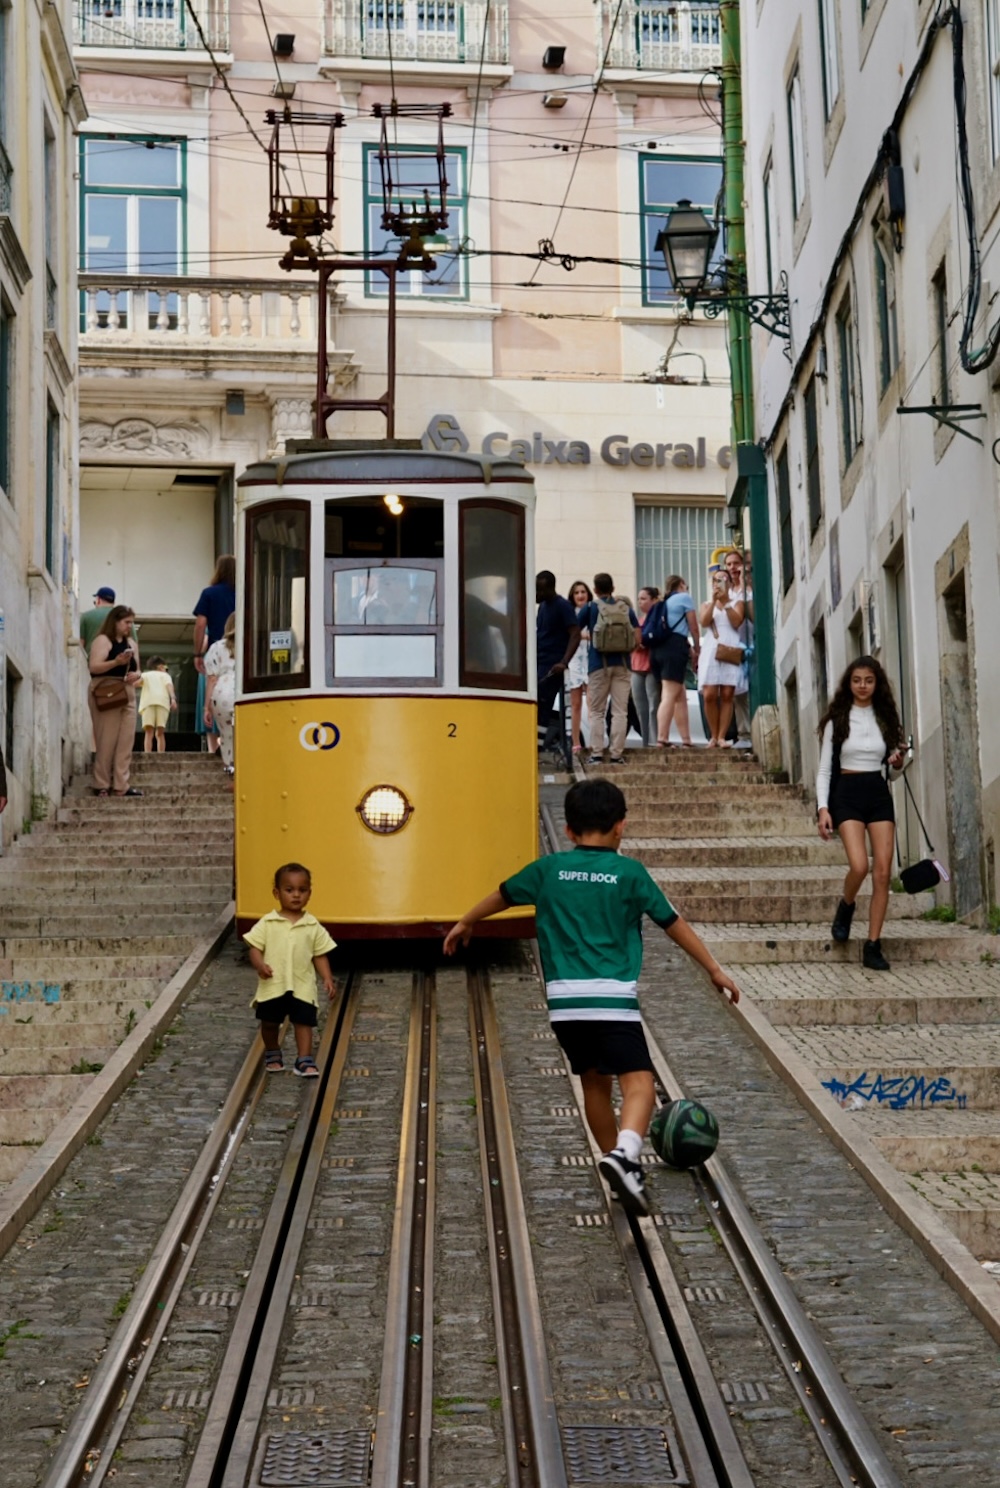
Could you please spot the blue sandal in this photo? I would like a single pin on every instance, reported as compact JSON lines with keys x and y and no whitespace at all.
{"x":305,"y":1065}
{"x":274,"y":1062}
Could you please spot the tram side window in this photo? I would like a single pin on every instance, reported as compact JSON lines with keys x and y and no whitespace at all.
{"x":492,"y":637}
{"x":278,"y":562}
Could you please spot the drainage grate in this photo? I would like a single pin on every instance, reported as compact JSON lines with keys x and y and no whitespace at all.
{"x":245,"y":1224}
{"x":347,"y":1113}
{"x":363,"y":1038}
{"x":219,"y":1299}
{"x":576,"y":1160}
{"x":548,"y":1069}
{"x":543,"y":1038}
{"x":339,"y":1162}
{"x":704,"y":1294}
{"x":310,"y":1299}
{"x":740,"y":1392}
{"x":299,"y":1459}
{"x":186,"y":1400}
{"x":563,"y":1111}
{"x":358,"y":1070}
{"x":590,"y":1221}
{"x":326,"y":1224}
{"x":285,"y":1399}
{"x":622,"y":1454}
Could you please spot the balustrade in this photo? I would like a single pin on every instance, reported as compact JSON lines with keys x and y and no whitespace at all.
{"x":149,"y":311}
{"x":664,"y":35}
{"x":164,"y":24}
{"x":417,"y":30}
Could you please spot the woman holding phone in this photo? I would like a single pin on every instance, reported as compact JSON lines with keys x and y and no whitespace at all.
{"x":720,"y":668}
{"x":114,"y":656}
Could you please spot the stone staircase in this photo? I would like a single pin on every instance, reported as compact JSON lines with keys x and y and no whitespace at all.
{"x":914,"y":1052}
{"x":98,"y":910}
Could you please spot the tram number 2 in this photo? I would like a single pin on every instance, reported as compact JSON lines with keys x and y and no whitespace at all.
{"x":452,"y":730}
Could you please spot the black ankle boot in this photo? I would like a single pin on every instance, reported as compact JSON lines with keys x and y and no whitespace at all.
{"x":872,"y":958}
{"x":842,"y":921}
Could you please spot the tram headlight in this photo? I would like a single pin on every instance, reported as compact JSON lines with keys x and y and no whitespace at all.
{"x":384,"y":809}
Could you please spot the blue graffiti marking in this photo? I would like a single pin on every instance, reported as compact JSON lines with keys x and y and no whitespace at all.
{"x":50,"y":992}
{"x":897,"y":1092}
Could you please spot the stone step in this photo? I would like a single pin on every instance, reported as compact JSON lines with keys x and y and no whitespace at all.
{"x":23,"y":997}
{"x":90,"y":899}
{"x":678,"y":825}
{"x":81,"y":1056}
{"x":969,"y":1204}
{"x":903,"y":941}
{"x":95,"y":946}
{"x":49,"y":1098}
{"x":54,"y":969}
{"x":135,"y":828}
{"x":933,"y":1139}
{"x":722,"y":795}
{"x":85,"y":884}
{"x":730,"y":854}
{"x":18,"y":1019}
{"x":723,"y":907}
{"x":148,"y":922}
{"x":170,"y":814}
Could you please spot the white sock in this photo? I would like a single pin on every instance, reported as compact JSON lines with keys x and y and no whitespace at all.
{"x":630,"y":1143}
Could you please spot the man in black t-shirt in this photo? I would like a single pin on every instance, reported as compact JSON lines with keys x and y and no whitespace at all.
{"x":557,"y":635}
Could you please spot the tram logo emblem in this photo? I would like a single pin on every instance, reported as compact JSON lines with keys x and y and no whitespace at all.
{"x":444,"y":435}
{"x":315,"y":736}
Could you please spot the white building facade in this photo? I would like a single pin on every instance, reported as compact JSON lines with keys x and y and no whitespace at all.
{"x":863,"y":202}
{"x":41,"y":701}
{"x":197,"y":352}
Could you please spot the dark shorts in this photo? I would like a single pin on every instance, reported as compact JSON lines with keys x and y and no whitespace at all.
{"x":669,"y":660}
{"x":609,"y":1048}
{"x":863,"y":798}
{"x":277,"y":1009}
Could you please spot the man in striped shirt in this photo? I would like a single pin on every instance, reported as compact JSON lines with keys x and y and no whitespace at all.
{"x":589,"y":905}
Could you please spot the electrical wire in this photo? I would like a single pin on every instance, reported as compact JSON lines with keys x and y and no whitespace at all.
{"x":282,"y":94}
{"x":220,"y":73}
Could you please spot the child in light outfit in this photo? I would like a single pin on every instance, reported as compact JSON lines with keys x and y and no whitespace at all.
{"x":589,"y":905}
{"x":156,"y":701}
{"x":287,"y":948}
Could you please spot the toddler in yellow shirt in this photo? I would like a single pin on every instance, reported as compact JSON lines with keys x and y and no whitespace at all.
{"x":156,"y":700}
{"x":287,"y":949}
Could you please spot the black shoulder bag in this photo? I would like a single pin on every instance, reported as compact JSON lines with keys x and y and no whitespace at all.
{"x":926,"y":873}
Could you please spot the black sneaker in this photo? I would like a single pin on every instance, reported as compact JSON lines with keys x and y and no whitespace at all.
{"x":626,"y":1181}
{"x":872,"y":958}
{"x":617,"y":759}
{"x":596,"y":759}
{"x":842,"y":921}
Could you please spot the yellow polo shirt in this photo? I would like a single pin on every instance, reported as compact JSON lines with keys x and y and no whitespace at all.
{"x":289,"y":950}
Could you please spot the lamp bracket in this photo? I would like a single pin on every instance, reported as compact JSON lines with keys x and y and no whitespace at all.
{"x":769,"y":311}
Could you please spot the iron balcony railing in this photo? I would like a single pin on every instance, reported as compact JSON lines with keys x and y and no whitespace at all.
{"x":664,"y":35}
{"x":162,"y":24}
{"x":417,"y":30}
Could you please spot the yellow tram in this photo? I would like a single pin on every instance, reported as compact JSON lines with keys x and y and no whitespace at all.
{"x":385,"y":715}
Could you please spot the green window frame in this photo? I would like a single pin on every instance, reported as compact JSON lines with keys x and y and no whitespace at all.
{"x":782,"y":481}
{"x":450,"y":280}
{"x":664,"y":180}
{"x":941,"y":392}
{"x":814,"y":487}
{"x":885,"y":301}
{"x":850,"y":420}
{"x":53,"y":504}
{"x":133,"y":187}
{"x":6,"y":392}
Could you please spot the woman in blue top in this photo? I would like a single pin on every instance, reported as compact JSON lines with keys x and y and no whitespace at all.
{"x":672,"y":655}
{"x":214,"y":607}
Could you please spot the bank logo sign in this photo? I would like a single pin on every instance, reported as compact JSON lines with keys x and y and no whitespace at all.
{"x":444,"y":435}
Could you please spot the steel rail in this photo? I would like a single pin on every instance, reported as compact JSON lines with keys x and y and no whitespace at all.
{"x":851,"y":1447}
{"x":531,"y":1426}
{"x":86,"y":1451}
{"x":404,"y":1415}
{"x":227,"y":1439}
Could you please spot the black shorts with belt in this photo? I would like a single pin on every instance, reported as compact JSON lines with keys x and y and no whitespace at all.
{"x":669,"y":659}
{"x":864,"y":797}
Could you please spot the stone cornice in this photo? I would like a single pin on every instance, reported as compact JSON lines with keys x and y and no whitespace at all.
{"x":60,"y":57}
{"x":56,"y":357}
{"x":13,"y":255}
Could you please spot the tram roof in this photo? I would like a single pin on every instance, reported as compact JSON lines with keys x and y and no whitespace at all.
{"x":352,"y":462}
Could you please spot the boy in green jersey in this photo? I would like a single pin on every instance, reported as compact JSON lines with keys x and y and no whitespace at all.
{"x":589,"y":905}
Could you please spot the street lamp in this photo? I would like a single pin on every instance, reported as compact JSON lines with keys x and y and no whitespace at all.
{"x":687,"y":241}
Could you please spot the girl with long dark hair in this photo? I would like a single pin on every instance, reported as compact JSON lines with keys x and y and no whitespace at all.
{"x":860,"y":733}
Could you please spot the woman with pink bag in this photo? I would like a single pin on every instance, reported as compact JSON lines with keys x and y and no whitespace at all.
{"x":645,"y":683}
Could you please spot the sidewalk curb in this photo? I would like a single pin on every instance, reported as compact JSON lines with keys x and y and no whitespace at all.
{"x":920,"y":1220}
{"x":29,"y":1190}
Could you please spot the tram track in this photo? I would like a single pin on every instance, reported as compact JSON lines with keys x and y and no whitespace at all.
{"x":707,"y":1438}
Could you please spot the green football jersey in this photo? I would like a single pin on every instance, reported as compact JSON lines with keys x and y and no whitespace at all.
{"x":589,"y":905}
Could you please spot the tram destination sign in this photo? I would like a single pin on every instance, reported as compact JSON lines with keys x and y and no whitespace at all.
{"x":445,"y":435}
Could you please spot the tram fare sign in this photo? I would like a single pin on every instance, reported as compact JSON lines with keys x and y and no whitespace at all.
{"x":445,"y":436}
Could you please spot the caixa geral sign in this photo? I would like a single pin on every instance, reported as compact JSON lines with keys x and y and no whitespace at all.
{"x":445,"y":435}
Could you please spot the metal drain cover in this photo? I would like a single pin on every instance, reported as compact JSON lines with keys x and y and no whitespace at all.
{"x":622,"y":1454}
{"x":322,"y":1459}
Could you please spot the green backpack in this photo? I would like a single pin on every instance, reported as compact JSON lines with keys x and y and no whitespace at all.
{"x":614,"y":631}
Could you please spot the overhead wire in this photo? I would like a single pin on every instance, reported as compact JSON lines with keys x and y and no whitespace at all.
{"x":283,"y":96}
{"x":221,"y":74}
{"x":586,"y":125}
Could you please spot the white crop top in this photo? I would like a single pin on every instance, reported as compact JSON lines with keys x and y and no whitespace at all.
{"x":862,"y":750}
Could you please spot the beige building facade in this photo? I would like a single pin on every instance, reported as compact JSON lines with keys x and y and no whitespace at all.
{"x":41,"y":687}
{"x":581,"y":126}
{"x":873,"y":188}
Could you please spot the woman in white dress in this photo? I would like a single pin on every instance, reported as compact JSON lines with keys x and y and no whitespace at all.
{"x":576,"y":673}
{"x":220,"y":690}
{"x":720,"y":617}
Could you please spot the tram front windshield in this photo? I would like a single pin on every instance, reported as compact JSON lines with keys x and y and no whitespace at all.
{"x":383,"y":586}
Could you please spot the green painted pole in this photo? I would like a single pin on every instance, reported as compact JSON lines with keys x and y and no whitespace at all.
{"x":751,"y":488}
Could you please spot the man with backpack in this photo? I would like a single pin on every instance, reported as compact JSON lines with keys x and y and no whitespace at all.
{"x":614,"y":635}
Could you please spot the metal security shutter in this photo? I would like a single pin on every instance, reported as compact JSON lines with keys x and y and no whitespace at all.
{"x":678,"y":540}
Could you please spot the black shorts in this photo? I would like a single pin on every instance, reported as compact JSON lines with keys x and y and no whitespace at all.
{"x":277,"y":1009}
{"x":863,"y":798}
{"x":669,"y":660}
{"x":615,"y":1048}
